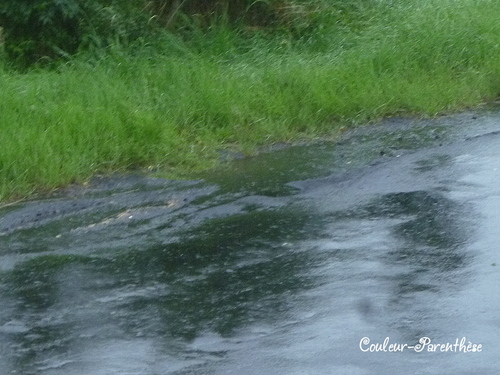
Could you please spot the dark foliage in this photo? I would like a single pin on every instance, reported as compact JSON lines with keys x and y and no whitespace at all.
{"x":42,"y":31}
{"x":35,"y":29}
{"x":39,"y":32}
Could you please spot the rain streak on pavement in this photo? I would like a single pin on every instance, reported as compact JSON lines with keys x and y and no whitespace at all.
{"x":303,"y":260}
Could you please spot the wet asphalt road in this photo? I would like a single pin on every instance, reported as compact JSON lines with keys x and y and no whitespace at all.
{"x":304,"y":260}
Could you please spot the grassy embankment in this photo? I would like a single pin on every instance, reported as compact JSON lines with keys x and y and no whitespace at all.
{"x":173,"y":106}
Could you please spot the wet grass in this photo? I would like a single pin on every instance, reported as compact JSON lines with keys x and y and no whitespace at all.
{"x":172,"y":106}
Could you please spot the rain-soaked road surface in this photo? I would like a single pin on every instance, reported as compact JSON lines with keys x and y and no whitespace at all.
{"x":299,"y":261}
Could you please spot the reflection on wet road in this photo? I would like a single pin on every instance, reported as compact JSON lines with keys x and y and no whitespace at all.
{"x":277,"y":264}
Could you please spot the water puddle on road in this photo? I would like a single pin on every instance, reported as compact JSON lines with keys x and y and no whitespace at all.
{"x":281,"y":263}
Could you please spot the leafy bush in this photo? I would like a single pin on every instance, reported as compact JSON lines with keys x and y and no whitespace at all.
{"x":39,"y":31}
{"x":37,"y":28}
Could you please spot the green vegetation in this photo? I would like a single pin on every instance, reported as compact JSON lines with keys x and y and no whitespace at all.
{"x":169,"y":101}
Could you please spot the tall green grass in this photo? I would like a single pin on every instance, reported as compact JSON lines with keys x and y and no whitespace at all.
{"x":172,"y":105}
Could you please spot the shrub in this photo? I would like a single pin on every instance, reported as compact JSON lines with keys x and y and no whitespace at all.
{"x":35,"y":29}
{"x":41,"y":31}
